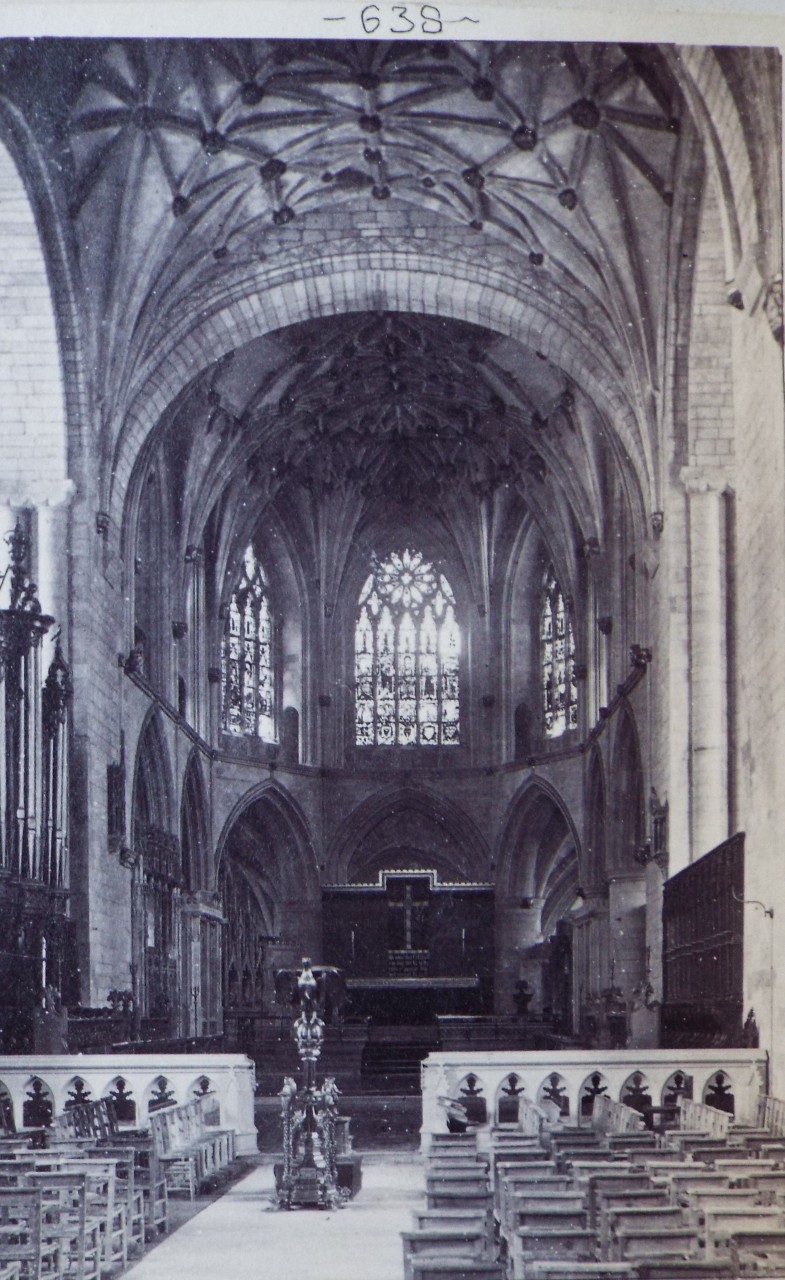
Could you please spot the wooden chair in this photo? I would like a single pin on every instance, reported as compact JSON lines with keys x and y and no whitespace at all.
{"x":21,"y":1239}
{"x":66,"y":1224}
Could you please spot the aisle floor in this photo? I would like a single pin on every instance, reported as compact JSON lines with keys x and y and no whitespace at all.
{"x":243,"y":1235}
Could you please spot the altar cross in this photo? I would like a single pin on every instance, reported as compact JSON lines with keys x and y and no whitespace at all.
{"x":408,"y":905}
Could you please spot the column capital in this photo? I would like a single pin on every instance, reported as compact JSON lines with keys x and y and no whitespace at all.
{"x":704,"y":480}
{"x":37,"y":493}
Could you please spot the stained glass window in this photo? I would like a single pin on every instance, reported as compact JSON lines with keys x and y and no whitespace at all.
{"x":247,"y":659}
{"x":407,"y":646}
{"x":559,"y":690}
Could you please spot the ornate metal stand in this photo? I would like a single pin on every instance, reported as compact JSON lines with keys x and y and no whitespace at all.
{"x":309,"y":1175}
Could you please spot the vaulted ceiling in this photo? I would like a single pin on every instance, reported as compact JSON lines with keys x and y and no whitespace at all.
{"x":178,"y":158}
{"x":180,"y":162}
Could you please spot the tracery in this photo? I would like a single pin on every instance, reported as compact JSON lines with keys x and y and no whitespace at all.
{"x":407,"y":655}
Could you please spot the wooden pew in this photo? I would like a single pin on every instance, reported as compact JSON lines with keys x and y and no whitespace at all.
{"x":580,"y":1271}
{"x":636,"y":1243}
{"x":441,"y":1242}
{"x":527,"y":1245}
{"x":464,"y":1267}
{"x":471,"y":1181}
{"x":458,"y":1197}
{"x":758,"y":1252}
{"x":722,"y":1224}
{"x":685,"y":1269}
{"x":470,"y":1219}
{"x":615,"y":1223}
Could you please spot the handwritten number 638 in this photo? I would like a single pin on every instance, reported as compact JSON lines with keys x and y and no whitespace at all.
{"x":427,"y":19}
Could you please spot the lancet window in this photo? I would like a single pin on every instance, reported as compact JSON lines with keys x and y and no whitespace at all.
{"x":407,"y":650}
{"x":557,"y":656}
{"x":248,"y":678}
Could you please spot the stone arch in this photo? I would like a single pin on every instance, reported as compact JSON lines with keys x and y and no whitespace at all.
{"x":195,"y":825}
{"x":508,"y":1094}
{"x":7,"y":1121}
{"x":537,"y":878}
{"x":558,"y":887}
{"x":395,"y":280}
{"x":396,"y":813}
{"x":122,"y":1099}
{"x":718,"y":1092}
{"x":553,"y":1096}
{"x":635,"y":1093}
{"x":535,"y":804}
{"x":714,"y":82}
{"x":677,"y":1087}
{"x":471,"y":1096}
{"x":159,"y":1093}
{"x":594,"y":1086}
{"x":38,"y":1108}
{"x":268,"y":878}
{"x":153,"y":787}
{"x":626,"y":833}
{"x":34,"y":288}
{"x":205,"y":1088}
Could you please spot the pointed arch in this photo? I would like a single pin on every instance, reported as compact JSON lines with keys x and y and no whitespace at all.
{"x":537,"y":826}
{"x":31,"y":459}
{"x":596,"y":815}
{"x":284,"y":817}
{"x":557,"y":659}
{"x":627,"y":824}
{"x":559,"y":888}
{"x":413,"y":819}
{"x":195,"y":825}
{"x":153,"y":787}
{"x":248,"y":654}
{"x":407,"y":647}
{"x":269,"y":885}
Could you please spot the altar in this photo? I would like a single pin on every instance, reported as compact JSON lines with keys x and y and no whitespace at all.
{"x":411,"y":947}
{"x":405,"y":1001}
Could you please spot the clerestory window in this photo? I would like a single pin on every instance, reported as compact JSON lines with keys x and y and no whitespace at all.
{"x":557,"y":658}
{"x":407,"y":646}
{"x":247,"y":658}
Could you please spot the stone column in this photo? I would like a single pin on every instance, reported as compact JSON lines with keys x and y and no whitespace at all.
{"x":705,"y":491}
{"x":517,"y":928}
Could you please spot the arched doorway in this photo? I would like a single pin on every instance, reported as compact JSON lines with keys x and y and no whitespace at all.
{"x":536,"y":889}
{"x":269,"y":890}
